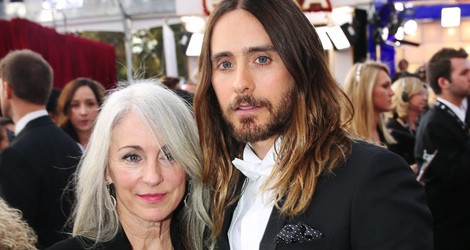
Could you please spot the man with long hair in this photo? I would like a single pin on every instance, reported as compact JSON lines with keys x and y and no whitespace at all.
{"x":283,"y":171}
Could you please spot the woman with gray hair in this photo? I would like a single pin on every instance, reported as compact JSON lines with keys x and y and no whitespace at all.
{"x":139,"y":183}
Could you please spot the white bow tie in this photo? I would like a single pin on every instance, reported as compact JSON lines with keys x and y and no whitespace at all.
{"x":252,"y":170}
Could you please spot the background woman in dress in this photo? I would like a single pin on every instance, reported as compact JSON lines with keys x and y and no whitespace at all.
{"x":368,"y":85}
{"x":77,"y":108}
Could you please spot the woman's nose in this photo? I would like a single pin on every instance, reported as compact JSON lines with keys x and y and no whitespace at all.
{"x":152,"y":174}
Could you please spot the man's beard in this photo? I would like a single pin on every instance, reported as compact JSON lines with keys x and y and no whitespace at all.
{"x":250,"y":131}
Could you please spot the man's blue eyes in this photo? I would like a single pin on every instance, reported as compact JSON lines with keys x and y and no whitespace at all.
{"x":262,"y":59}
{"x":226,"y":65}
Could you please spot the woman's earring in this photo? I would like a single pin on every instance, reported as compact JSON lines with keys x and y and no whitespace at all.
{"x":111,"y":193}
{"x":186,"y":197}
{"x":188,"y":191}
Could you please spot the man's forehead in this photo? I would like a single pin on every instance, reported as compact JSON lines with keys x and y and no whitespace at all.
{"x":460,"y":62}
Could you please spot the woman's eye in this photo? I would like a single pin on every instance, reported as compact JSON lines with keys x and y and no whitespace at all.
{"x":131,"y":157}
{"x":166,"y":154}
{"x":262,"y":59}
{"x":92,"y":104}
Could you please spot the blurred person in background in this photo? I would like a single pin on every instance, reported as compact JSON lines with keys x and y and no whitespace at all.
{"x":369,"y":87}
{"x":77,"y":107}
{"x":6,"y":135}
{"x":37,"y":166}
{"x":421,"y":73}
{"x":442,"y":149}
{"x":173,"y":83}
{"x":189,"y":86}
{"x":15,"y":233}
{"x":51,"y":105}
{"x":402,"y":70}
{"x":408,"y":103}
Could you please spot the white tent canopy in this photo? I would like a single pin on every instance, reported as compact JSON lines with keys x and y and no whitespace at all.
{"x":95,"y":15}
{"x":107,"y":15}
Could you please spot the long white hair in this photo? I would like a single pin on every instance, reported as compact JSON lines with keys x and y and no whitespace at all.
{"x":163,"y":112}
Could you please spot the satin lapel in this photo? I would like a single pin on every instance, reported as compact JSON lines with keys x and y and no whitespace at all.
{"x":222,"y":242}
{"x":223,"y":238}
{"x":275,"y":224}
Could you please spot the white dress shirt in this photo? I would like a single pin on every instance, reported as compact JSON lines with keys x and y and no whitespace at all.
{"x":254,"y":208}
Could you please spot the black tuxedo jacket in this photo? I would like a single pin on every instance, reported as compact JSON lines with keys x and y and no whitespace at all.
{"x":371,"y":202}
{"x":447,"y":177}
{"x":34,"y":171}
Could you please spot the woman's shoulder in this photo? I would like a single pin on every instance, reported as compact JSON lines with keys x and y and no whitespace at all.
{"x":74,"y":243}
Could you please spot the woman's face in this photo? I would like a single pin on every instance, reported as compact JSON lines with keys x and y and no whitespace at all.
{"x":419,"y":101}
{"x":83,"y":109}
{"x":149,"y":183}
{"x":382,"y":93}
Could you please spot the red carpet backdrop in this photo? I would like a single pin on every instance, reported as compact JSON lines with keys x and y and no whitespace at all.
{"x":69,"y":55}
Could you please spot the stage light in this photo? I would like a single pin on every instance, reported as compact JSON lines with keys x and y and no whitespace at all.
{"x":194,"y":24}
{"x":450,"y":17}
{"x":195,"y":44}
{"x":384,"y":34}
{"x":399,"y":6}
{"x":325,"y":41}
{"x":61,"y":4}
{"x":338,"y":38}
{"x":400,"y":34}
{"x":410,"y":27}
{"x":16,"y":9}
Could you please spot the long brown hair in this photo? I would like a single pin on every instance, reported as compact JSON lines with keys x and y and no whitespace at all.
{"x":313,"y":141}
{"x":65,"y":98}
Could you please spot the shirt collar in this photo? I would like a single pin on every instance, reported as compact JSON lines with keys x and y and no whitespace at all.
{"x":21,"y":124}
{"x":459,"y":111}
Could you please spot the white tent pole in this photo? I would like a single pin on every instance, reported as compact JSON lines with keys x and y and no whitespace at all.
{"x":127,"y":24}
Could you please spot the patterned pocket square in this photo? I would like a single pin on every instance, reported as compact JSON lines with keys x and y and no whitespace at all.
{"x":297,"y":233}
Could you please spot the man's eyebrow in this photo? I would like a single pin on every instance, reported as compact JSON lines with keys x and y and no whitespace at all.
{"x":216,"y":56}
{"x":259,"y":49}
{"x":245,"y":51}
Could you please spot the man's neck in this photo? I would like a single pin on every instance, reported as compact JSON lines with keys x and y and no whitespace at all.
{"x":456,"y":100}
{"x":20,"y":109}
{"x":261,"y":148}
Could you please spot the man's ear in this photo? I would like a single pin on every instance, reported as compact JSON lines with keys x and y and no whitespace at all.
{"x":443,"y":82}
{"x":7,"y":91}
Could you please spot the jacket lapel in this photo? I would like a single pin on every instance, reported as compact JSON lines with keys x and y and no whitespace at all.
{"x":223,"y":238}
{"x":275,"y":224}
